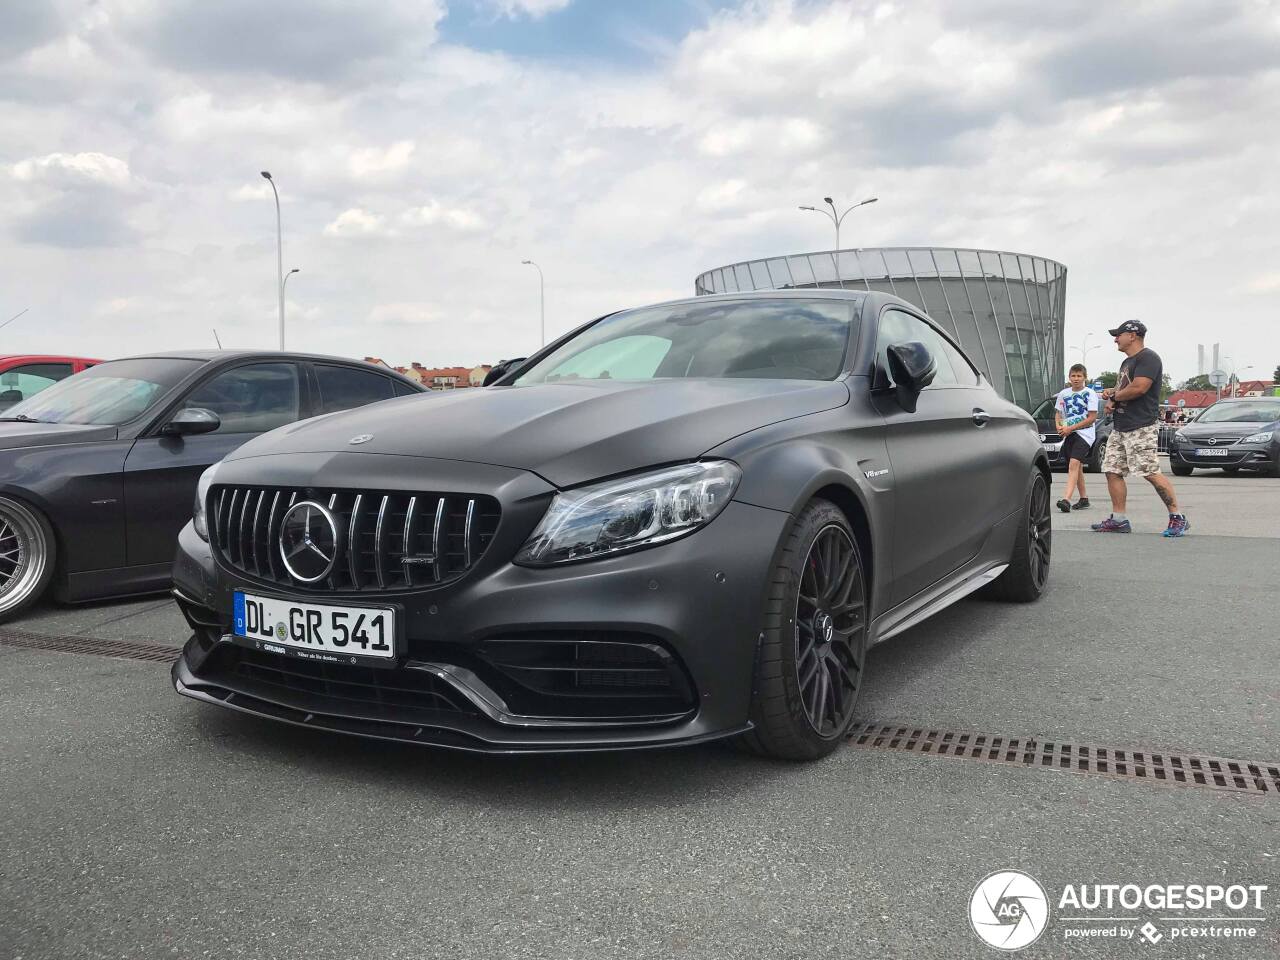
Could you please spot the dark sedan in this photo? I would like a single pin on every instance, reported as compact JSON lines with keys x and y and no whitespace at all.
{"x":1237,"y":433}
{"x":678,"y":523}
{"x":97,"y":473}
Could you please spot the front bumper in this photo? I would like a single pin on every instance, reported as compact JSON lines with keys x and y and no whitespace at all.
{"x":692,"y":607}
{"x":1253,"y":456}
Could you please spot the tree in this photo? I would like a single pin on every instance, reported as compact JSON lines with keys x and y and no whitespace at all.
{"x":1108,"y":378}
{"x":1166,"y":387}
{"x":1198,"y":382}
{"x":1275,"y":377}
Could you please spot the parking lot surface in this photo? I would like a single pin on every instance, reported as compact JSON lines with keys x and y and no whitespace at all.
{"x":142,"y":824}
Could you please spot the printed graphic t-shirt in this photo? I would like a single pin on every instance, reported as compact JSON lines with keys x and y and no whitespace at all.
{"x":1140,"y":411}
{"x":1075,"y":407}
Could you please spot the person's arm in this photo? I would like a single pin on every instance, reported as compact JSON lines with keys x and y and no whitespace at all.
{"x":1135,"y":388}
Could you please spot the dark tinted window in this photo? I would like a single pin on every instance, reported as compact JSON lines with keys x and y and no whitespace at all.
{"x":403,"y":389}
{"x":110,"y":393}
{"x":250,"y":399}
{"x":342,"y":388}
{"x":897,"y":326}
{"x":766,"y":339}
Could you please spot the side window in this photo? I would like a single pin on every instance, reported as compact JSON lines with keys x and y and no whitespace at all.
{"x":342,"y":388}
{"x":25,"y":381}
{"x":250,"y":399}
{"x":403,"y":389}
{"x":898,"y":327}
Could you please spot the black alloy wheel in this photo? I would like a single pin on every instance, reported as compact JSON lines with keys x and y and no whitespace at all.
{"x":830,"y":631}
{"x":813,"y":648}
{"x":1039,"y":531}
{"x":1028,"y":571}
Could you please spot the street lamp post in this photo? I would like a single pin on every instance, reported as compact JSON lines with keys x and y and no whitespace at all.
{"x":838,"y":218}
{"x":542,"y":302}
{"x":1085,"y":349}
{"x":284,"y":287}
{"x":266,"y":174}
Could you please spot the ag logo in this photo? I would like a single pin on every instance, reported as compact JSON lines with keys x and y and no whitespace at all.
{"x":1009,"y":910}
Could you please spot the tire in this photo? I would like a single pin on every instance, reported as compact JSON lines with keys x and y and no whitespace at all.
{"x":1099,"y":452}
{"x":1179,"y":468}
{"x":28,"y":554}
{"x":1028,"y":572}
{"x":812,"y":655}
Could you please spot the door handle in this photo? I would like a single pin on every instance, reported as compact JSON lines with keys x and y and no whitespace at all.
{"x":980,"y":416}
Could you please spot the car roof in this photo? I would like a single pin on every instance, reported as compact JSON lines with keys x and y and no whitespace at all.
{"x":45,"y":358}
{"x":798,"y":293}
{"x":211,"y":356}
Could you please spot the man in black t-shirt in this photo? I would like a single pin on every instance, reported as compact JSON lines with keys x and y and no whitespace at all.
{"x":1135,"y":443}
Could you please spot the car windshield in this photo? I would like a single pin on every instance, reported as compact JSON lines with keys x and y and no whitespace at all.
{"x":1249,"y":411}
{"x":779,"y":339}
{"x":108,"y":394}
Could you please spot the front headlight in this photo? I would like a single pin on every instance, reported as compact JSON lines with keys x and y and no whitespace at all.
{"x":637,"y":511}
{"x":198,"y":517}
{"x":1264,"y":437}
{"x":1180,"y":437}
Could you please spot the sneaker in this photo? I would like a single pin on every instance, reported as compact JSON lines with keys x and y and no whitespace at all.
{"x":1064,"y":506}
{"x":1081,"y":504}
{"x":1112,"y":525}
{"x":1178,"y":526}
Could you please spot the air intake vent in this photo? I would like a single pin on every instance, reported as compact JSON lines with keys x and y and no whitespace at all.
{"x":378,"y":541}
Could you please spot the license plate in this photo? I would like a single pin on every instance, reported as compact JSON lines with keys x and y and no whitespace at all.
{"x":315,"y":631}
{"x":1052,"y":447}
{"x":1206,"y":452}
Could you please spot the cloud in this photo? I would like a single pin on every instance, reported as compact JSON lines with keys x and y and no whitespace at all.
{"x":533,"y":9}
{"x":73,"y":168}
{"x":24,"y":26}
{"x":308,"y":40}
{"x":375,"y":161}
{"x":433,"y":213}
{"x":355,"y":223}
{"x":416,"y":175}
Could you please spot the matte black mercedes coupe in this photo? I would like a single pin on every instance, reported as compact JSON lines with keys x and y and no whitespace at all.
{"x":98,"y":471}
{"x":677,"y":523}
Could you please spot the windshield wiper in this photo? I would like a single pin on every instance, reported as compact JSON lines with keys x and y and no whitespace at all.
{"x":23,"y":418}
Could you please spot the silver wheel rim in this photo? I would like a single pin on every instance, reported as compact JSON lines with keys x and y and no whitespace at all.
{"x":22,"y":554}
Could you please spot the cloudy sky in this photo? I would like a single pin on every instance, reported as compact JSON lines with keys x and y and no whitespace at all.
{"x":423,"y":148}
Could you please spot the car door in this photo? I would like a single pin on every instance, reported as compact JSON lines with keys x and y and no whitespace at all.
{"x":161,"y":471}
{"x":937,"y":454}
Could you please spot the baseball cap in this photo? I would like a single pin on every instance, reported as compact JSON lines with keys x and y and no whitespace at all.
{"x":1130,"y":326}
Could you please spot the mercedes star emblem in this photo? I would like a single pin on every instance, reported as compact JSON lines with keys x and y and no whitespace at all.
{"x":308,"y":541}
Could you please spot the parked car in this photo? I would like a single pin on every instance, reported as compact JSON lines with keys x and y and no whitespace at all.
{"x":677,"y":523}
{"x":22,"y":376}
{"x":1236,"y":433}
{"x":97,"y":473}
{"x":1052,"y":441}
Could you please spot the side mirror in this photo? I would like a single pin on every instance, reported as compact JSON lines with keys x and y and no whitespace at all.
{"x":912,"y":368}
{"x":191,"y":420}
{"x":501,"y":369}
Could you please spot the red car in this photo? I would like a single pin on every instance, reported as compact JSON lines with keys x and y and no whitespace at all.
{"x":23,"y":376}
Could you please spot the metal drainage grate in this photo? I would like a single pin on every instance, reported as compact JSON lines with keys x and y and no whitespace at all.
{"x":1213,"y":773}
{"x":125,"y":649}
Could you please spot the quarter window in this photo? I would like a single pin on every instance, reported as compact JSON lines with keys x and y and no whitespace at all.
{"x":897,"y":326}
{"x":250,"y":399}
{"x":342,"y":388}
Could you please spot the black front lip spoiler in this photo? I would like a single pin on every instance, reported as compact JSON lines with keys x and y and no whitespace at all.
{"x":471,"y":734}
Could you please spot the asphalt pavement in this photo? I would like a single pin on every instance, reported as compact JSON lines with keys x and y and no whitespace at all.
{"x":140,"y":824}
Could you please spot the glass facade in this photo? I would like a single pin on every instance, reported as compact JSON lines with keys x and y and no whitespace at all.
{"x":1005,"y":309}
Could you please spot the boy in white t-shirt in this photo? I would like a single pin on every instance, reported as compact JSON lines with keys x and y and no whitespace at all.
{"x":1076,"y":411}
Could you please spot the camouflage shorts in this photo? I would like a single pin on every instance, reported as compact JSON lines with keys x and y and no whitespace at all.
{"x":1133,"y":451}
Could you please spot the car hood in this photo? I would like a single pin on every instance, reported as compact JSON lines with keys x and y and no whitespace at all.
{"x":14,"y":435}
{"x":1236,"y":429}
{"x":567,"y":433}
